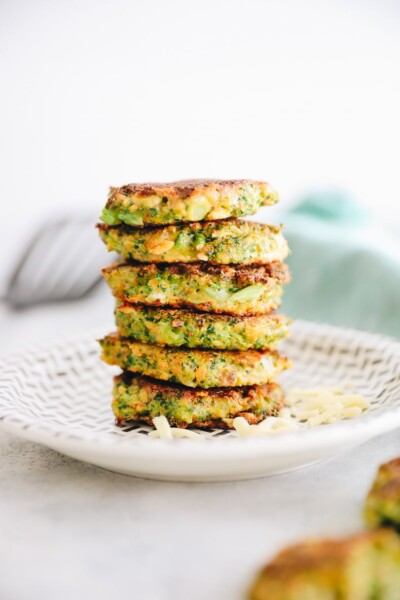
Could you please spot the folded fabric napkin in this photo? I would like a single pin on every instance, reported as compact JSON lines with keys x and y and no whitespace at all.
{"x":345,"y":269}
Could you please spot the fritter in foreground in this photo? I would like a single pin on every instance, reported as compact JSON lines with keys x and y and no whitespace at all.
{"x":140,"y":399}
{"x":382,"y":506}
{"x":362,"y":567}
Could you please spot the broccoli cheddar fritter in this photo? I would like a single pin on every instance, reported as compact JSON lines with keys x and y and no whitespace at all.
{"x":219,"y":289}
{"x":191,"y":200}
{"x":223,"y":242}
{"x":363,"y":567}
{"x":382,"y":506}
{"x":194,"y":368}
{"x":140,"y":399}
{"x":180,"y":327}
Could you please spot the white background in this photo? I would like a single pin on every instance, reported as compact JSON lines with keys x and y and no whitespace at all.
{"x":301,"y":93}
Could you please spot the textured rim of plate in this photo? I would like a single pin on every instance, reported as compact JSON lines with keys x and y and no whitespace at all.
{"x":349,"y":432}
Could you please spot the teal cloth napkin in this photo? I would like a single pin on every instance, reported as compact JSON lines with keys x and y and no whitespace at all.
{"x":345,"y":269}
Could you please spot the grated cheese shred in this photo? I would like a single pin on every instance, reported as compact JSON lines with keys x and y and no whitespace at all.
{"x":304,"y":408}
{"x":307,"y":408}
{"x":164,"y":431}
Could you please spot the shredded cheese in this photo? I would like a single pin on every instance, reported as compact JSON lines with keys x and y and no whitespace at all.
{"x":164,"y":431}
{"x":307,"y":408}
{"x":270,"y":425}
{"x":304,"y":408}
{"x":324,"y":404}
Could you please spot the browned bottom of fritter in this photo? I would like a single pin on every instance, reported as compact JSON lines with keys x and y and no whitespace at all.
{"x":139,"y":399}
{"x":240,"y":275}
{"x":210,"y":424}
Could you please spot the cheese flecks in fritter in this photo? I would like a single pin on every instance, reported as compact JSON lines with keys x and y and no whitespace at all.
{"x":219,"y":289}
{"x":382,"y":506}
{"x":180,"y":327}
{"x":223,"y":242}
{"x":141,"y":399}
{"x":363,"y":567}
{"x":188,"y":200}
{"x":193,"y":367}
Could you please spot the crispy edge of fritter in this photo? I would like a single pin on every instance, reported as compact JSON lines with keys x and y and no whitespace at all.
{"x":189,"y":313}
{"x":185,"y":188}
{"x":194,"y":226}
{"x":240,"y":275}
{"x":160,"y":386}
{"x":388,"y":491}
{"x":311,"y":556}
{"x":386,"y":472}
{"x":385,"y":488}
{"x":118,"y":342}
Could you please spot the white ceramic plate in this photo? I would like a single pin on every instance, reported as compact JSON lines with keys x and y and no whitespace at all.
{"x":59,"y":395}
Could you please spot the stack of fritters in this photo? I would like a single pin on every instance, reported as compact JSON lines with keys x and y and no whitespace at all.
{"x":196,"y":293}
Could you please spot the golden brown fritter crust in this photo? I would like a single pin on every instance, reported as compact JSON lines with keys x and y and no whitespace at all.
{"x":242,"y":276}
{"x":210,"y":424}
{"x":387,"y":472}
{"x":185,"y":201}
{"x":189,"y":312}
{"x":221,"y":289}
{"x":382,"y":505}
{"x":181,"y":189}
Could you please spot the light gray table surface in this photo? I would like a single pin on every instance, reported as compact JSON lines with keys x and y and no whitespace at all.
{"x":72,"y":530}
